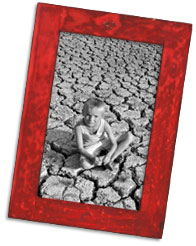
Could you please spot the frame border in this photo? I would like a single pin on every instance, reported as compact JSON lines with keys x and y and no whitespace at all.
{"x":24,"y":201}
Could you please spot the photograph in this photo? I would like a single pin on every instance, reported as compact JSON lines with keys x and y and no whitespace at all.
{"x":99,"y":121}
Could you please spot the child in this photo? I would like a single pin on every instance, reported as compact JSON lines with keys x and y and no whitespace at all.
{"x":94,"y":134}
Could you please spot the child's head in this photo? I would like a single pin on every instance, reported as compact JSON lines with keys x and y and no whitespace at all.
{"x":93,"y":111}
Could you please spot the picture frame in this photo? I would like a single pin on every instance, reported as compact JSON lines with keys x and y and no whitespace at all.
{"x":25,"y":202}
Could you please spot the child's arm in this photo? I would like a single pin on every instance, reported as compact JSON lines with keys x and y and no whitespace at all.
{"x":110,"y":134}
{"x":81,"y":149}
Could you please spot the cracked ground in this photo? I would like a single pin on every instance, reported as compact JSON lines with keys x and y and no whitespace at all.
{"x":124,"y":74}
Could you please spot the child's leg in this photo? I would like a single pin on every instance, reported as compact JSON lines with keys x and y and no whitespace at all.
{"x":85,"y":164}
{"x":123,"y":142}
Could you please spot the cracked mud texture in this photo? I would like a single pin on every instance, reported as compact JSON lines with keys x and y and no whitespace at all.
{"x":124,"y":74}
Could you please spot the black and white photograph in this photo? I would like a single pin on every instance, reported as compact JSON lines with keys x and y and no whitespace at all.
{"x":100,"y":120}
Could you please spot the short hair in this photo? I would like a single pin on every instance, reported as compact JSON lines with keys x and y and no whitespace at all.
{"x":93,"y":103}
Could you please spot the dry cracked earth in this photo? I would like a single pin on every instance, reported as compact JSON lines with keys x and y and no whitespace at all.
{"x":124,"y":75}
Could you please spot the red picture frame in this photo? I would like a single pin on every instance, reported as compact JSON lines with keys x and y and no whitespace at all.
{"x":25,"y":202}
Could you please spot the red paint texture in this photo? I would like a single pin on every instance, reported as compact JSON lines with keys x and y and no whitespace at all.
{"x":24,"y":202}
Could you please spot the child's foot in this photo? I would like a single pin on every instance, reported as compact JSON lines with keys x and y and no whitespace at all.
{"x":99,"y":161}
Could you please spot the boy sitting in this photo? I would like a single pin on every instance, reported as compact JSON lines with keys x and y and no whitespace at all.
{"x":94,"y":134}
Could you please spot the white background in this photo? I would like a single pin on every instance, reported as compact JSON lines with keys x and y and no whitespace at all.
{"x":16,"y":29}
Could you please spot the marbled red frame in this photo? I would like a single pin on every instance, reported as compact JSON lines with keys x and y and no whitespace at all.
{"x":24,"y":202}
